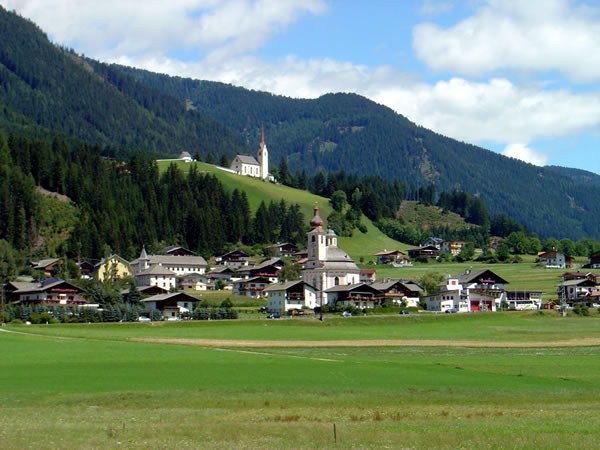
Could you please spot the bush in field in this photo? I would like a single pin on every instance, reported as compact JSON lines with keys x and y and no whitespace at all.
{"x":581,"y":310}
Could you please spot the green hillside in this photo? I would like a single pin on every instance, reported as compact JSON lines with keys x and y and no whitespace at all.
{"x":358,"y":246}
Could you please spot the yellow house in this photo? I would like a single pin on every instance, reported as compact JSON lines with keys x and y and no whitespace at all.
{"x":112,"y":268}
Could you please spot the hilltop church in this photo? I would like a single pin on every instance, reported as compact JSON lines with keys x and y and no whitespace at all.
{"x":327,"y":265}
{"x":253,"y":167}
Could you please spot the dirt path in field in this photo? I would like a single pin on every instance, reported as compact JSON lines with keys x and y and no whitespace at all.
{"x":369,"y":343}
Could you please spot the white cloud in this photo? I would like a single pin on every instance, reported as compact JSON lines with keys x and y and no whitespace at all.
{"x":125,"y":28}
{"x":524,"y":153}
{"x":534,"y":35}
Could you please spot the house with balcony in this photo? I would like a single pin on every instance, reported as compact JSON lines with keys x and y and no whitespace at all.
{"x":395,"y":257}
{"x":577,"y":289}
{"x":399,"y":292}
{"x":171,"y":305}
{"x":553,"y":259}
{"x":595,"y":260}
{"x":290,"y":295}
{"x":234,"y":259}
{"x":360,"y":295}
{"x":452,"y":247}
{"x":52,"y":291}
{"x":429,"y":251}
{"x":472,"y":290}
{"x":251,"y":287}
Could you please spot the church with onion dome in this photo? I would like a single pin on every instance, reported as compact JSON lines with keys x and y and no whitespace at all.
{"x":327,"y":265}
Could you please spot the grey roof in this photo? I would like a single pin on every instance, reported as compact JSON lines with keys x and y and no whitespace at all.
{"x":161,"y":297}
{"x":248,"y":160}
{"x":157,"y":270}
{"x":473,"y":275}
{"x":351,"y":287}
{"x":385,"y":285}
{"x":40,"y":287}
{"x":42,"y":263}
{"x":337,"y":254}
{"x":284,"y":286}
{"x":173,"y":260}
{"x":267,"y":263}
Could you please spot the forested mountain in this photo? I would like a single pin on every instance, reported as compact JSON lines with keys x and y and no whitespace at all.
{"x":43,"y":86}
{"x":351,"y":133}
{"x":46,"y":89}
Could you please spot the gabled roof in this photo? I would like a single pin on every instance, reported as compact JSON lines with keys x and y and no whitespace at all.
{"x":388,"y":284}
{"x":579,"y":282}
{"x":248,"y":160}
{"x":170,"y":296}
{"x":109,"y":258}
{"x":353,"y":287}
{"x":284,"y":286}
{"x":45,"y":285}
{"x":43,"y":263}
{"x":472,"y":276}
{"x":253,"y":280}
{"x":389,"y":252}
{"x":157,"y":270}
{"x":267,"y":263}
{"x":241,"y":252}
{"x":173,"y":260}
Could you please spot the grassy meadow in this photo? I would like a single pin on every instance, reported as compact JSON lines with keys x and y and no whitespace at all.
{"x":418,"y":381}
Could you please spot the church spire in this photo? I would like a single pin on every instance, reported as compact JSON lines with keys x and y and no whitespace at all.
{"x":262,"y":134}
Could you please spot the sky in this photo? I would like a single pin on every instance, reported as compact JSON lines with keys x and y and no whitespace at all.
{"x":519,"y":77}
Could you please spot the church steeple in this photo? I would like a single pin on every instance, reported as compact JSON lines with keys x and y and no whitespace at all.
{"x":262,"y":155}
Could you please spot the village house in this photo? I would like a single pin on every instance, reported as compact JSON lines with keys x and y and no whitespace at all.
{"x":577,"y":287}
{"x":399,"y":292}
{"x":251,"y":287}
{"x":360,"y":295}
{"x":176,"y":250}
{"x":157,"y":276}
{"x":48,"y":292}
{"x":595,"y":260}
{"x":433,"y":242}
{"x":429,"y":251}
{"x":179,"y":265}
{"x":171,"y":305}
{"x":290,"y":296}
{"x":554,"y":259}
{"x":234,"y":259}
{"x":327,"y":265}
{"x":284,"y":250}
{"x":267,"y":269}
{"x":112,"y":268}
{"x":194,"y":282}
{"x":395,"y":257}
{"x":47,"y":266}
{"x":368,"y":276}
{"x":145,"y":291}
{"x":452,"y":247}
{"x":479,"y":290}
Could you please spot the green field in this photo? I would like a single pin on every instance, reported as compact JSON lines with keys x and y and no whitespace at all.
{"x":417,"y":381}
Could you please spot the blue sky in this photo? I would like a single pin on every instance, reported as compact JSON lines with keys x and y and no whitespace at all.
{"x":519,"y":77}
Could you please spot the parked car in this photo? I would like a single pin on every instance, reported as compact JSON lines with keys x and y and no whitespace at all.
{"x":451,"y":311}
{"x":144,"y":319}
{"x":274,"y":316}
{"x":346,"y":314}
{"x":405,"y":312}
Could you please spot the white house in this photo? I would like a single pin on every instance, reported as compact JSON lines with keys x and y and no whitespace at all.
{"x":289,"y":295}
{"x":157,"y":276}
{"x":480,"y":290}
{"x":555,"y":259}
{"x":179,"y":265}
{"x":171,"y":305}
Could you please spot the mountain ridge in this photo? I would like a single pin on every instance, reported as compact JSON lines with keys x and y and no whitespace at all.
{"x":50,"y":89}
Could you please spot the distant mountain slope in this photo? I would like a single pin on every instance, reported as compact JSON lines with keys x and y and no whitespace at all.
{"x":351,"y":133}
{"x":579,"y":176}
{"x":53,"y":88}
{"x":44,"y":87}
